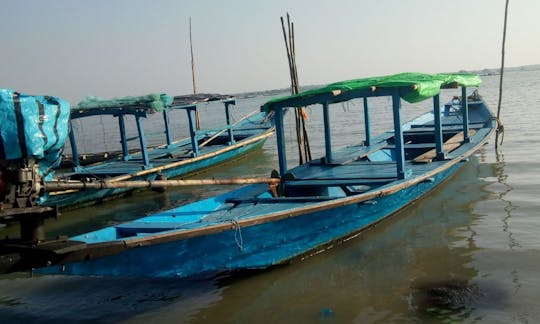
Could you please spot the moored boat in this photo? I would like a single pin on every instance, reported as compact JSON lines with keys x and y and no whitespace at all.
{"x":315,"y":204}
{"x":203,"y":148}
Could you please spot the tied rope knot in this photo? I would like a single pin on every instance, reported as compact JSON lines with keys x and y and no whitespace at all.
{"x":499,"y":131}
{"x":237,"y":234}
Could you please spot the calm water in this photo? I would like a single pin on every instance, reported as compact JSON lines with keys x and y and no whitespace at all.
{"x":470,"y":251}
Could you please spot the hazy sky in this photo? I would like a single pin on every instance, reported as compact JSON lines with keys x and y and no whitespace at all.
{"x":108,"y":48}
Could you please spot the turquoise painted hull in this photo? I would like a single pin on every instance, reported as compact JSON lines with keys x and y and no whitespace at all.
{"x":316,"y":204}
{"x":252,"y":247}
{"x":171,"y":161}
{"x":150,"y":247}
{"x":93,"y":196}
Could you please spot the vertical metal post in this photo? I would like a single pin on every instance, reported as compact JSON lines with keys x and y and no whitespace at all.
{"x":228,"y":117}
{"x":465,"y":110}
{"x":166,"y":121}
{"x":280,"y":138}
{"x":193,"y":130}
{"x":74,"y":150}
{"x":327,"y":133}
{"x":367,"y":122}
{"x":123,"y":139}
{"x":142,"y":142}
{"x":398,"y":135}
{"x":438,"y":128}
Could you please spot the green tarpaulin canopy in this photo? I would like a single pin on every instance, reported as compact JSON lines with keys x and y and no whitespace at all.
{"x":415,"y":87}
{"x":154,"y":101}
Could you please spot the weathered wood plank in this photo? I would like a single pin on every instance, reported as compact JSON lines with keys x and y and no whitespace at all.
{"x":450,"y":145}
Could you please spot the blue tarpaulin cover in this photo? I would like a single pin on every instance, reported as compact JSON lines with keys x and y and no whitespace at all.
{"x":33,"y":127}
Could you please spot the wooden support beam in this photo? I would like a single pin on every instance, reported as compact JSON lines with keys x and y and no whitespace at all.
{"x":465,"y":111}
{"x":438,"y":128}
{"x":398,"y":135}
{"x":142,"y":143}
{"x":74,"y":150}
{"x":367,"y":123}
{"x":123,"y":138}
{"x":228,"y":118}
{"x":327,"y":133}
{"x":280,"y":137}
{"x":166,"y":121}
{"x":193,"y":129}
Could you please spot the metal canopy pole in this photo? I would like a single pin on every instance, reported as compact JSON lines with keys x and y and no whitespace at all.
{"x":398,"y":135}
{"x":74,"y":150}
{"x":228,"y":117}
{"x":280,"y":137}
{"x":166,"y":121}
{"x":123,"y":139}
{"x":327,"y":133}
{"x":142,"y":142}
{"x":438,"y":128}
{"x":367,"y":122}
{"x":192,"y":129}
{"x":465,"y":110}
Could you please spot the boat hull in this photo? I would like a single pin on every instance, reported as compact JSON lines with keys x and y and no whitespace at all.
{"x":252,"y":247}
{"x":316,"y":203}
{"x":94,"y":196}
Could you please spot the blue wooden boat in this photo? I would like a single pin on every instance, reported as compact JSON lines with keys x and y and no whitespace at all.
{"x":202,"y":149}
{"x":315,"y":204}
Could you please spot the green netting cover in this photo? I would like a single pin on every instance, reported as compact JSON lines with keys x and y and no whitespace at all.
{"x":427,"y":85}
{"x":154,"y":101}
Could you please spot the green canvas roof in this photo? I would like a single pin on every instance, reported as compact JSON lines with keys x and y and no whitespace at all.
{"x":415,"y":87}
{"x":153,"y":102}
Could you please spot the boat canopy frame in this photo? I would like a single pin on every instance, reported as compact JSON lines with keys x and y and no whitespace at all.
{"x":330,"y":95}
{"x":142,"y":112}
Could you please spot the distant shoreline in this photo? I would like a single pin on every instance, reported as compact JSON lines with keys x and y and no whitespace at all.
{"x":482,"y":72}
{"x":497,"y":71}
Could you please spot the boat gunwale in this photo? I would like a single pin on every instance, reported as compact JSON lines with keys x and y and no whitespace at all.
{"x":201,"y":157}
{"x":176,"y":234}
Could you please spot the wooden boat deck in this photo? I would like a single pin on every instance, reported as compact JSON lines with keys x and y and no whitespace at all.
{"x":165,"y":155}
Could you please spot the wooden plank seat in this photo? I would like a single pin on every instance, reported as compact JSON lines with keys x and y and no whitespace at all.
{"x":446,"y":125}
{"x":173,"y":156}
{"x":111,"y":169}
{"x":132,"y":228}
{"x":336,"y":182}
{"x":279,"y":200}
{"x":431,"y":130}
{"x":362,"y":152}
{"x":357,"y":188}
{"x":449,"y":145}
{"x":414,"y":146}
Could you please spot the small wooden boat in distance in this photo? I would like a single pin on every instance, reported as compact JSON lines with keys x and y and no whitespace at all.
{"x":203,"y":148}
{"x":316,"y":203}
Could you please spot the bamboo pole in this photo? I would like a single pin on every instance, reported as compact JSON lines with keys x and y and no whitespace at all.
{"x":192,"y":60}
{"x":500,"y":127}
{"x":51,"y":186}
{"x":187,"y":161}
{"x":304,"y":152}
{"x":197,"y":120}
{"x":301,"y":110}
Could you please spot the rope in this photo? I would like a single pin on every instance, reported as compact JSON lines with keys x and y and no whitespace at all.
{"x":500,"y":130}
{"x":237,"y":234}
{"x":500,"y":126}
